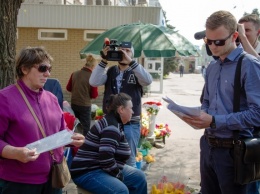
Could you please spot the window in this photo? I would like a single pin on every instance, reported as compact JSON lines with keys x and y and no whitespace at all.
{"x":52,"y":34}
{"x":91,"y":34}
{"x":89,"y":2}
{"x":98,"y":2}
{"x":106,"y":2}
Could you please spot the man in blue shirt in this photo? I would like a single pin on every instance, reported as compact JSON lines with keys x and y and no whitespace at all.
{"x":216,"y":163}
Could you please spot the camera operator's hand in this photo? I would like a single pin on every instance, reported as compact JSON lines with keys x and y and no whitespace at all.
{"x":127,"y":55}
{"x":241,"y":30}
{"x":103,"y":53}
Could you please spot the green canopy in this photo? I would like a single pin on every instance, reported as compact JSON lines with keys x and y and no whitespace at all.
{"x":147,"y":39}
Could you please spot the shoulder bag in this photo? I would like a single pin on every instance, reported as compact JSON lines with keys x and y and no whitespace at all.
{"x":246,"y":150}
{"x":60,"y":174}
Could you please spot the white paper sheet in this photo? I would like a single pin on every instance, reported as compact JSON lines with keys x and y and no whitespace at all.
{"x":181,"y":111}
{"x":51,"y":142}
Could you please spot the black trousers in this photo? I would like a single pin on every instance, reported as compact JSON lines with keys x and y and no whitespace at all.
{"x":8,"y":187}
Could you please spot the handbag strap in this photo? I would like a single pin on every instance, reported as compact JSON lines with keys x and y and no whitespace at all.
{"x":33,"y":114}
{"x":237,"y":91}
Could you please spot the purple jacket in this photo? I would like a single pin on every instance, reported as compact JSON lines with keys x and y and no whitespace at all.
{"x":18,"y":128}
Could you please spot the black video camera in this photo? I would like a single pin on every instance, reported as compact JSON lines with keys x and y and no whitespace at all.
{"x":114,"y":54}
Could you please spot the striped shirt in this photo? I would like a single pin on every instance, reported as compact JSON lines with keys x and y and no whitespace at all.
{"x":105,"y":147}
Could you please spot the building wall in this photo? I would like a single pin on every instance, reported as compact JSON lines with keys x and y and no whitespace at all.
{"x":65,"y":54}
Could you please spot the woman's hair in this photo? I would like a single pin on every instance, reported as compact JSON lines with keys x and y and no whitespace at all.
{"x":30,"y":56}
{"x":90,"y":61}
{"x":117,"y":100}
{"x":222,"y":18}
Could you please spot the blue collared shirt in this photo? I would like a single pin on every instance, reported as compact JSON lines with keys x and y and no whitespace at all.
{"x":218,"y":95}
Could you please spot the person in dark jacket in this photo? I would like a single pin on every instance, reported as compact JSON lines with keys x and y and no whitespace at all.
{"x":53,"y":86}
{"x":128,"y":77}
{"x":82,"y":93}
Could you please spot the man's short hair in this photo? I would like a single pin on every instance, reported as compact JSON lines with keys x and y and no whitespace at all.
{"x":222,"y":18}
{"x":251,"y":18}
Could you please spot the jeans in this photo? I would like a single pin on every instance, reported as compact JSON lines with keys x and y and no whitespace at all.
{"x":132,"y":134}
{"x":217,"y":170}
{"x":253,"y":188}
{"x":8,"y":187}
{"x":98,"y":181}
{"x":83,"y":113}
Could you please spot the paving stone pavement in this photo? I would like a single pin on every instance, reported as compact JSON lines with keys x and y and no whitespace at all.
{"x":179,"y":159}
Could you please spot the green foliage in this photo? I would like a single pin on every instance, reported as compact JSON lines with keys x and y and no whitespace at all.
{"x":99,"y":112}
{"x":146,"y":145}
{"x":167,"y":22}
{"x":170,"y":65}
{"x":255,"y":11}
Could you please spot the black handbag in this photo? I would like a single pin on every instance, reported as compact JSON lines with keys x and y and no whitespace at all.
{"x":246,"y":150}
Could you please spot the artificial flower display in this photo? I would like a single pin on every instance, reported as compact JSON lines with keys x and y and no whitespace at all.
{"x":144,"y":132}
{"x":152,"y":108}
{"x":149,"y":158}
{"x":139,"y":157}
{"x":99,"y":114}
{"x":165,"y":186}
{"x":162,"y":130}
{"x":145,"y":120}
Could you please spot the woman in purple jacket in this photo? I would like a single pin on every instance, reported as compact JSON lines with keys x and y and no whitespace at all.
{"x":23,"y":170}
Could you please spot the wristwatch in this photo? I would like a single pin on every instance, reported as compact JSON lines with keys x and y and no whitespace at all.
{"x":213,"y":123}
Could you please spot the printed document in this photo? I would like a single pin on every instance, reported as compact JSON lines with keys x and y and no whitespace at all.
{"x":181,"y":111}
{"x":51,"y":142}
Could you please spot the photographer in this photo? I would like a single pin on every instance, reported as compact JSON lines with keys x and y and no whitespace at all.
{"x":249,"y":31}
{"x":128,"y":77}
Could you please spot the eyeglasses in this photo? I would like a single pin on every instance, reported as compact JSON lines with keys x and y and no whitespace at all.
{"x":43,"y":68}
{"x":217,"y":42}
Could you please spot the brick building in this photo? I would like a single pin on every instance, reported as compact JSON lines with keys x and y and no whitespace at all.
{"x":65,"y":29}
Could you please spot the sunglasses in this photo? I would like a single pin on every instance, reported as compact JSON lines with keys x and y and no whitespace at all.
{"x":43,"y":68}
{"x":217,"y":42}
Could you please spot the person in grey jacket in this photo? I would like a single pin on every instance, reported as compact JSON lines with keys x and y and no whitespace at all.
{"x":128,"y":77}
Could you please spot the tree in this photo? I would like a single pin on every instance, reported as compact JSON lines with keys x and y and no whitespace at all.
{"x":255,"y":11}
{"x":170,"y":65}
{"x":167,"y":22}
{"x":8,"y":20}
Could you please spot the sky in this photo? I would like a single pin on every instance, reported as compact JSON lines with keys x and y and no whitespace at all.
{"x":189,"y":16}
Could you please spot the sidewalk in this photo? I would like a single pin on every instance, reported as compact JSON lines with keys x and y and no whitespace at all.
{"x":179,"y":159}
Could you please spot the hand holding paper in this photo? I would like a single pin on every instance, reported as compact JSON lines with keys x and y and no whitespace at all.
{"x":51,"y":142}
{"x":182,"y":111}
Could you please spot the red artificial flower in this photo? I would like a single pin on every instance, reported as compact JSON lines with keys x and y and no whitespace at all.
{"x":98,"y":117}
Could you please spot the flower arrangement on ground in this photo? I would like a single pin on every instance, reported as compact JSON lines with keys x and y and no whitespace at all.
{"x":166,"y":186}
{"x":144,"y":120}
{"x":149,"y":158}
{"x":139,"y":157}
{"x":144,"y":129}
{"x":143,"y":143}
{"x":162,"y":130}
{"x":152,"y":108}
